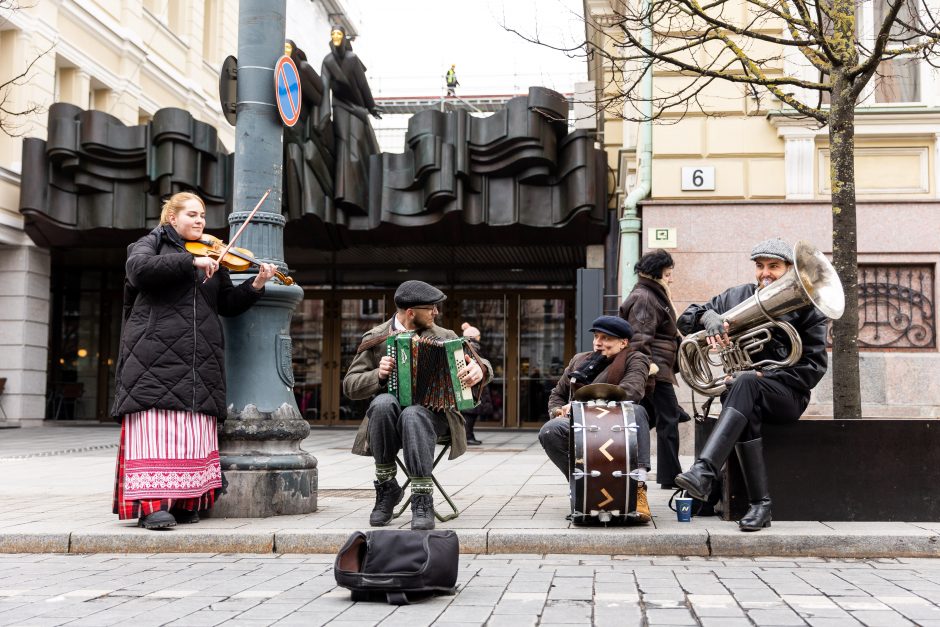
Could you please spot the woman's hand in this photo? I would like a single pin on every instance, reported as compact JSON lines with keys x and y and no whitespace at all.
{"x":265,"y":272}
{"x":207,"y":264}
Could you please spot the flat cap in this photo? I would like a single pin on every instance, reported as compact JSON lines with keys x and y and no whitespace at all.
{"x":613,"y":326}
{"x":773,"y":248}
{"x":417,"y":293}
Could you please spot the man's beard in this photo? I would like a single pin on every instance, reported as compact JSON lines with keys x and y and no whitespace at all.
{"x":421,"y":325}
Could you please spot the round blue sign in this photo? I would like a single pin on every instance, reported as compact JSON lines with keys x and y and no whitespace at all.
{"x":287,"y":90}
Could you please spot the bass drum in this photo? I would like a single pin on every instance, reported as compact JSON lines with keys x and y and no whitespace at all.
{"x":602,"y":463}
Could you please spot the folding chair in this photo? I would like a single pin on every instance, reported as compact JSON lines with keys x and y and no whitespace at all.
{"x":444,"y":441}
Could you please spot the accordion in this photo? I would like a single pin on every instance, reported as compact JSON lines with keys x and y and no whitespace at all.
{"x":425,"y":372}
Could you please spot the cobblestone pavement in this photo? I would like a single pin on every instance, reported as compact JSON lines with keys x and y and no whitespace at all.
{"x":517,"y":590}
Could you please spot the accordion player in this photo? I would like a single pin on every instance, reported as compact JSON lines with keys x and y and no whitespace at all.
{"x":427,"y":370}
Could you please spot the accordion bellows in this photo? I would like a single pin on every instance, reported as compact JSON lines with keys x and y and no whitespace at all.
{"x":426,"y":372}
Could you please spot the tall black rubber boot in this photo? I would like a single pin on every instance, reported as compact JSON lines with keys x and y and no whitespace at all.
{"x":751,"y":455}
{"x":698,"y":480}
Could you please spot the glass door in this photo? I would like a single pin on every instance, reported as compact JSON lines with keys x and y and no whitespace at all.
{"x":85,"y":332}
{"x":356,"y":315}
{"x":488,"y":314}
{"x":306,"y":331}
{"x":546,"y":339}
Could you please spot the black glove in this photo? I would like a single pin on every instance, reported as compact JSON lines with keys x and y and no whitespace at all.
{"x":589,"y":370}
{"x":713,"y":323}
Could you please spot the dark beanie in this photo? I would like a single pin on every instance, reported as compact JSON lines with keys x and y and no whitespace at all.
{"x":613,"y":326}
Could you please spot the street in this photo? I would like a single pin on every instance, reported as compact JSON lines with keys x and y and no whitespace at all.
{"x":518,"y":590}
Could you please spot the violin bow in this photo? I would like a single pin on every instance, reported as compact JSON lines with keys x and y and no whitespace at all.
{"x":242,"y":228}
{"x":244,"y":224}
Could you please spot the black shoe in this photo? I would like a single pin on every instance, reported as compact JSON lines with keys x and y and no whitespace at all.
{"x":186,"y":516}
{"x":474,"y":441}
{"x":387,"y":495}
{"x":422,"y":512}
{"x":157,"y":520}
{"x":668,"y":486}
{"x":758,"y":515}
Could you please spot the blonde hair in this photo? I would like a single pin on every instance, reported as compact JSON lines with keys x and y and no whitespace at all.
{"x":173,"y":205}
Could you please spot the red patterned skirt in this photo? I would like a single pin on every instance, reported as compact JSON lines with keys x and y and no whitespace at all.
{"x":166,"y":459}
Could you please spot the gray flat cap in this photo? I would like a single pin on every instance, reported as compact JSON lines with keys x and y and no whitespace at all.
{"x":773,"y":248}
{"x":417,"y":293}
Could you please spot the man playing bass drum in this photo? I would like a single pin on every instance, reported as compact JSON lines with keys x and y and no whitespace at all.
{"x":615,"y":362}
{"x":754,"y":396}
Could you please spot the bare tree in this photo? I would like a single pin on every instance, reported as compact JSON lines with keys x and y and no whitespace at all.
{"x":811,"y":55}
{"x":11,"y":115}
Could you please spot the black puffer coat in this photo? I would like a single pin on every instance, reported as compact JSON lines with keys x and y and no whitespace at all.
{"x":172,"y":346}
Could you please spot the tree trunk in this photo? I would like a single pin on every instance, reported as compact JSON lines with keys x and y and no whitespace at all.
{"x":846,"y":391}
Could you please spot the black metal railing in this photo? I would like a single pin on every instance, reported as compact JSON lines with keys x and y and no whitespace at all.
{"x":896,"y":306}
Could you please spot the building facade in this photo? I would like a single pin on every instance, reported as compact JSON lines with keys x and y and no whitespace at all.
{"x":735,"y":169}
{"x":59,"y":321}
{"x":60,"y":333}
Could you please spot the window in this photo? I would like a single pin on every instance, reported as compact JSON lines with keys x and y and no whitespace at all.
{"x":897,"y":80}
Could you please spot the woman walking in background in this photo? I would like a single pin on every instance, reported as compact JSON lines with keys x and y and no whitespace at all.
{"x":170,"y":379}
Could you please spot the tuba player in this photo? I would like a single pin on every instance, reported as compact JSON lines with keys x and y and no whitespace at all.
{"x":755,"y":396}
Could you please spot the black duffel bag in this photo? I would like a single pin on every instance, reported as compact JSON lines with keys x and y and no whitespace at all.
{"x":394,"y":565}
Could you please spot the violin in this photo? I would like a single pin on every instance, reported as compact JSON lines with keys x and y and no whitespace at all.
{"x":236,"y":259}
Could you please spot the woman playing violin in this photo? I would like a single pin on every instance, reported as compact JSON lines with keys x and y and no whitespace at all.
{"x":170,"y":379}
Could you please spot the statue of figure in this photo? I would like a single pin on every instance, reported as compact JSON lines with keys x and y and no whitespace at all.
{"x":308,"y":148}
{"x":345,"y":84}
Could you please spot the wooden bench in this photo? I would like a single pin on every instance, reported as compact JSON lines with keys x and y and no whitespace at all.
{"x":843,"y":470}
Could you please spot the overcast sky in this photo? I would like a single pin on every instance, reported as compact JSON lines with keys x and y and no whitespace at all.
{"x":408,"y":45}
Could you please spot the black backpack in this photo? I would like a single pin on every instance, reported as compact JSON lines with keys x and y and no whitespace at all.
{"x":392,"y":565}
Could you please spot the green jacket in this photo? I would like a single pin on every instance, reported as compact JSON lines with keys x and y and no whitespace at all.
{"x":362,"y":382}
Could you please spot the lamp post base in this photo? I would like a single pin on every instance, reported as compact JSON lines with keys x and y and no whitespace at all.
{"x":267,"y":472}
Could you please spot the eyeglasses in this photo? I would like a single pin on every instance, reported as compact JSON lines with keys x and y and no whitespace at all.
{"x":427,"y":308}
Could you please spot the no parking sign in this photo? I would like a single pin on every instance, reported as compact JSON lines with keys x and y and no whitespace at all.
{"x":287,"y":90}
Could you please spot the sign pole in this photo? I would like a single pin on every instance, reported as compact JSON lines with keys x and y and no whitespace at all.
{"x":267,"y":471}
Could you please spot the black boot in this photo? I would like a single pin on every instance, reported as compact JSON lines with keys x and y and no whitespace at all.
{"x":422,"y":512}
{"x":387,"y":495}
{"x":751,"y":455}
{"x":698,"y":480}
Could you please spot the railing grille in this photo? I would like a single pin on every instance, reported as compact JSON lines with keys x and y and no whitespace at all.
{"x":896,"y":306}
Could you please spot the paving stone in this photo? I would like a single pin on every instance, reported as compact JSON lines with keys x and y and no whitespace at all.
{"x":881,"y":619}
{"x":670,"y":617}
{"x":774,"y":617}
{"x":567,"y":612}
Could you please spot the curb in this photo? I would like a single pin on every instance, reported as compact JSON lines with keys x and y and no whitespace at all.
{"x":610,"y":541}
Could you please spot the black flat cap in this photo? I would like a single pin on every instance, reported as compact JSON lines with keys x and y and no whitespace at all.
{"x":416,"y":294}
{"x":613,"y":326}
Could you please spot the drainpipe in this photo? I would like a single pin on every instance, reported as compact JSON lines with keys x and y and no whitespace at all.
{"x":630,"y":222}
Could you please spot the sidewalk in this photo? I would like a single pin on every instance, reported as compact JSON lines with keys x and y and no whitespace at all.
{"x":56,"y":482}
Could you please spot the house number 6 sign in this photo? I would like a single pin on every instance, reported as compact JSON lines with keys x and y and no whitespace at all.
{"x":698,"y":178}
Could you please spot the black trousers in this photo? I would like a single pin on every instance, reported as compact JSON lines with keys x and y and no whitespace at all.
{"x":763,"y":399}
{"x":663,"y":409}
